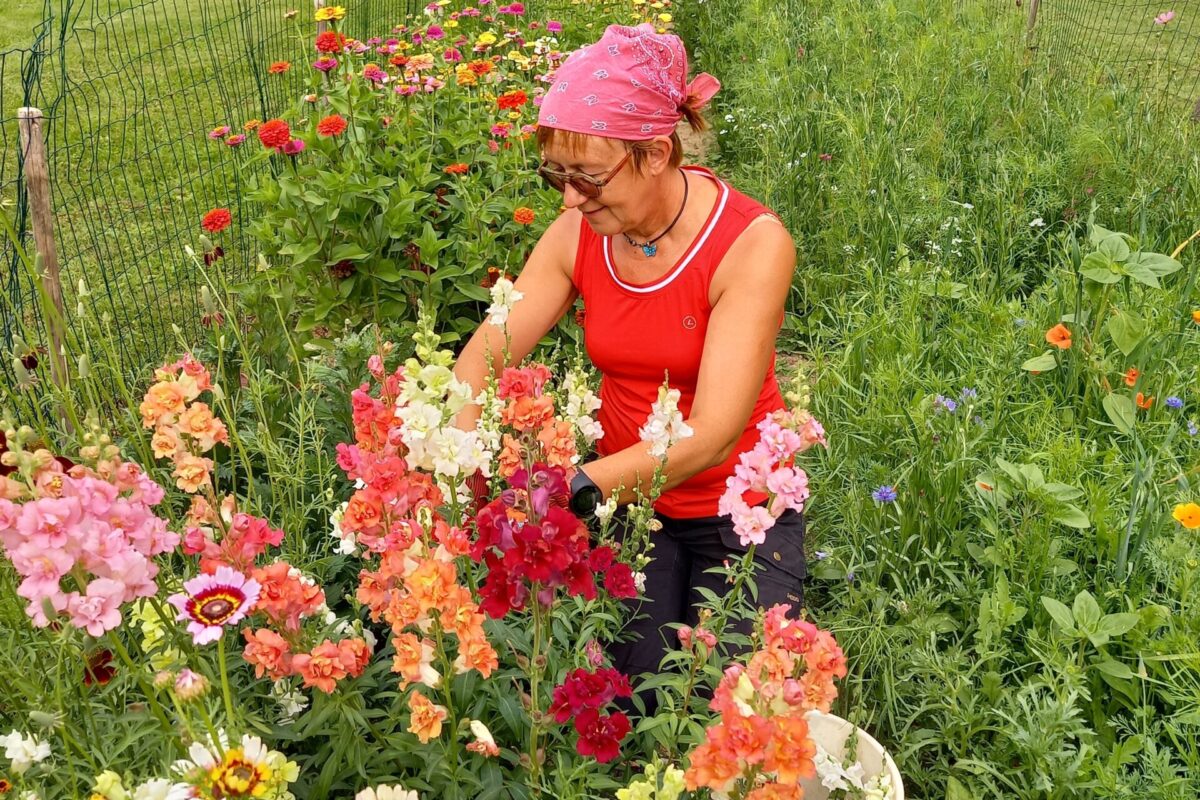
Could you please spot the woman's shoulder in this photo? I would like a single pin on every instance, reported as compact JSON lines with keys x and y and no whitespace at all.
{"x":564,"y":236}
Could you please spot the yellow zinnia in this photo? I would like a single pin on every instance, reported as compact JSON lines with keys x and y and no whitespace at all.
{"x":485,"y":38}
{"x":327,"y":13}
{"x":1188,"y":515}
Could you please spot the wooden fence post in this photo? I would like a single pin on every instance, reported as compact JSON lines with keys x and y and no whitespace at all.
{"x":37,"y":185}
{"x":1031,"y":23}
{"x":322,"y":26}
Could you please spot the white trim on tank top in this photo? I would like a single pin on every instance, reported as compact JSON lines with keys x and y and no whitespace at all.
{"x":675,"y":273}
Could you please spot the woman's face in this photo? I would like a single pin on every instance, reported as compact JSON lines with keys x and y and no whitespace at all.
{"x":621,"y":201}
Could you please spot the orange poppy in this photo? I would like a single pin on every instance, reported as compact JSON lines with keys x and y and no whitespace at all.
{"x":1144,"y":402}
{"x":1059,"y":336}
{"x":1132,"y":376}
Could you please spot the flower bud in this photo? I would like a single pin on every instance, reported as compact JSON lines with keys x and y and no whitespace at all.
{"x":163,"y":678}
{"x":190,"y":685}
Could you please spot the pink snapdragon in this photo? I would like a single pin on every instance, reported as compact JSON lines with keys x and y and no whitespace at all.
{"x":769,"y":468}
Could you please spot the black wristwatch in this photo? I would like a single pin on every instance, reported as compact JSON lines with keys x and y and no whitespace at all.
{"x":585,"y":495}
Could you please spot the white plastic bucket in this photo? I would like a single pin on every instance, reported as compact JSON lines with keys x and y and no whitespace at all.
{"x":832,"y":733}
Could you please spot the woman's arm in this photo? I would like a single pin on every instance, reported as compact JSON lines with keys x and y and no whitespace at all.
{"x":548,"y":292}
{"x":738,"y":346}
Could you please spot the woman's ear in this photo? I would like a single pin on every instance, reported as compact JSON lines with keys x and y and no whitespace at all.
{"x":659,"y":157}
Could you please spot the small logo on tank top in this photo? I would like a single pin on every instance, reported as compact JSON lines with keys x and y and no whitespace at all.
{"x":689,"y":322}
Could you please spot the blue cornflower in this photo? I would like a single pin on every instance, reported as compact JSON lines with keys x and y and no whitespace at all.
{"x":967,"y":395}
{"x":1174,"y":402}
{"x":884,"y":494}
{"x":1192,"y":429}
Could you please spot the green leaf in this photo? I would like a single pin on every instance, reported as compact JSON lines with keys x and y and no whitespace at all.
{"x":1127,"y":330}
{"x":1115,"y":625}
{"x":1060,"y":614}
{"x":1115,"y":247}
{"x":1063,"y":492}
{"x":1072,"y":516}
{"x":1120,"y":411}
{"x":348,"y":251}
{"x":1086,"y":611}
{"x":956,"y":791}
{"x":1098,"y":233}
{"x":1147,"y":268}
{"x":1043,"y":363}
{"x":1100,"y":268}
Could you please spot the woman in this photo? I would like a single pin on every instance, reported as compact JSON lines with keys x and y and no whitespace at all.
{"x":681,"y":276}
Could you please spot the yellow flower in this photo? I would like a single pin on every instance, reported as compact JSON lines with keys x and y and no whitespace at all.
{"x":485,"y":38}
{"x":514,"y":115}
{"x":1196,"y":316}
{"x":450,"y":23}
{"x":664,"y":17}
{"x":1188,"y":515}
{"x":327,"y":13}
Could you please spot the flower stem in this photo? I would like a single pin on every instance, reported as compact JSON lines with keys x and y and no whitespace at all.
{"x":137,"y":676}
{"x":225,"y":680}
{"x":534,"y":674}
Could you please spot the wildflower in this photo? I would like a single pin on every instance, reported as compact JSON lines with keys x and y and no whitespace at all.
{"x":236,"y":139}
{"x":884,"y":494}
{"x":825,"y":157}
{"x":523,"y":216}
{"x":279,"y":67}
{"x":330,"y":42}
{"x":1193,"y":429}
{"x":504,"y":297}
{"x":24,"y":751}
{"x":1059,"y":336}
{"x":941,"y":403}
{"x":1196,"y":316}
{"x":330,"y":13}
{"x":1174,"y":402}
{"x":333,"y":125}
{"x":456,"y":169}
{"x":1144,"y":402}
{"x":1132,"y":375}
{"x":211,"y":602}
{"x":217,"y":220}
{"x":967,"y":395}
{"x":1164,"y":18}
{"x":108,"y":786}
{"x":821,"y":555}
{"x":274,"y":133}
{"x":190,"y":685}
{"x":1038,"y":223}
{"x":1187,"y":515}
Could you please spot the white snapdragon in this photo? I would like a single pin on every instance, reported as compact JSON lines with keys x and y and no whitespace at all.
{"x":162,"y":789}
{"x":580,"y":405}
{"x":504,"y":297}
{"x":837,"y":776}
{"x":346,"y":544}
{"x":605,"y":510}
{"x":24,"y":751}
{"x":665,"y":425}
{"x":291,"y":701}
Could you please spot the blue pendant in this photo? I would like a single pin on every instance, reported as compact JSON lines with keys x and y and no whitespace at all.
{"x":650,"y":250}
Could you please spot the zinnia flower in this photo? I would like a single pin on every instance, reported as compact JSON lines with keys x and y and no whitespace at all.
{"x":236,"y":139}
{"x":1187,"y":515}
{"x":329,"y":13}
{"x":211,"y":602}
{"x":1059,"y":336}
{"x":274,"y":133}
{"x":333,"y":125}
{"x":279,"y":67}
{"x":219,"y":132}
{"x":330,"y":42}
{"x":523,"y":216}
{"x":216,"y":220}
{"x":456,"y":169}
{"x":325,"y":64}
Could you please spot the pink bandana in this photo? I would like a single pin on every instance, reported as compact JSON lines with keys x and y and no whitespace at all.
{"x":629,"y":85}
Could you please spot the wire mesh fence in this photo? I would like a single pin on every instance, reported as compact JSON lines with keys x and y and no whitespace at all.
{"x":1149,"y":48}
{"x":130,"y":92}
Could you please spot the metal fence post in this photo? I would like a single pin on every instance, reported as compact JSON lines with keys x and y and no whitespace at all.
{"x":322,"y":26}
{"x":37,"y":185}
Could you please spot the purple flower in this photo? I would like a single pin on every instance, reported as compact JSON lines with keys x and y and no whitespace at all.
{"x":1174,"y":402}
{"x":884,"y":494}
{"x":967,"y":395}
{"x":435,"y":32}
{"x":820,"y":555}
{"x":1164,"y":18}
{"x":1192,"y":429}
{"x":850,"y":577}
{"x":942,"y":403}
{"x":554,"y":26}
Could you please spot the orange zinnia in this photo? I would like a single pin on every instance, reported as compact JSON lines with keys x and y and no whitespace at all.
{"x":1144,"y":402}
{"x":279,"y":67}
{"x":1059,"y":336}
{"x":523,"y":215}
{"x":1132,"y":376}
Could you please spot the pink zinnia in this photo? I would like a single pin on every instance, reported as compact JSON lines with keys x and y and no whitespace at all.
{"x":293,"y":147}
{"x":553,"y":26}
{"x":452,"y":55}
{"x":373,"y":73}
{"x":236,"y":139}
{"x":326,"y":64}
{"x":1164,"y":18}
{"x":211,"y":602}
{"x":435,"y":32}
{"x":219,"y":132}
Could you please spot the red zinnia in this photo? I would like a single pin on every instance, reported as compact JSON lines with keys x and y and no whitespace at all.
{"x":279,"y":67}
{"x":330,"y":41}
{"x":274,"y":133}
{"x":511,"y":100}
{"x":217,"y":220}
{"x":456,"y":169}
{"x":332,"y":125}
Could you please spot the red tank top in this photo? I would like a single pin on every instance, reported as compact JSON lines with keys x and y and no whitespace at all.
{"x":638,"y":334}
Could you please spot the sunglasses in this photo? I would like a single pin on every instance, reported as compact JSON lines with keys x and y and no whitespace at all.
{"x":587,"y":185}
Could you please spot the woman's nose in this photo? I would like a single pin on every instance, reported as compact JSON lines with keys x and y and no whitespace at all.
{"x":572,"y":197}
